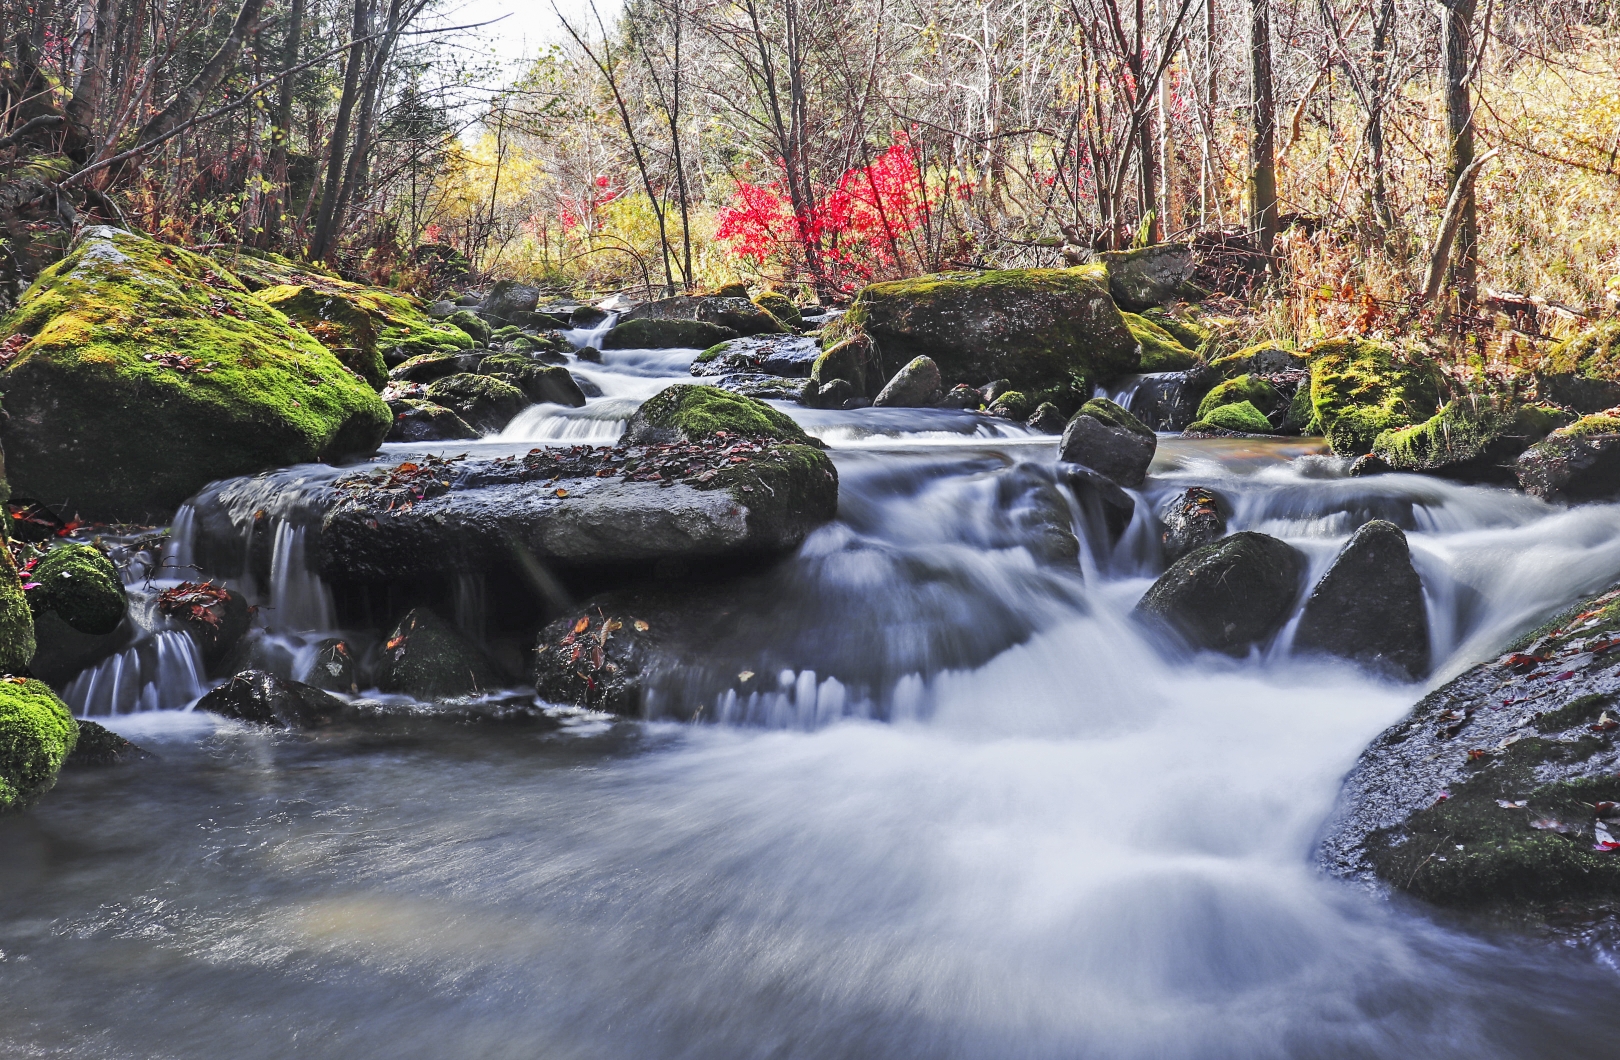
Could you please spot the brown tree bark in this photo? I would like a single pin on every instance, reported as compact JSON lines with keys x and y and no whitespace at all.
{"x":1456,"y":24}
{"x":281,"y":195}
{"x":321,"y":243}
{"x":1263,"y":215}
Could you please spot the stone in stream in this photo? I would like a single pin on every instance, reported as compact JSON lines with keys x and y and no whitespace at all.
{"x":854,"y":360}
{"x":78,"y":605}
{"x":1105,"y":507}
{"x":1229,"y":596}
{"x":1046,"y":419}
{"x":1472,"y":438}
{"x":1497,"y":794}
{"x":1360,"y":388}
{"x":37,"y":733}
{"x":1369,"y":606}
{"x":961,"y":396}
{"x":731,"y":312}
{"x":915,"y":386}
{"x":1150,"y":276}
{"x":659,"y":334}
{"x":789,"y":356}
{"x":427,"y":367}
{"x":99,"y":746}
{"x":1191,"y":520}
{"x":486,"y":404}
{"x":427,"y":658}
{"x":334,"y":669}
{"x":509,"y":300}
{"x":1011,"y":405}
{"x":1580,"y":462}
{"x":834,"y":394}
{"x":424,"y":421}
{"x":135,"y":373}
{"x":264,"y":699}
{"x":216,"y":618}
{"x":1109,"y":440}
{"x":542,"y":384}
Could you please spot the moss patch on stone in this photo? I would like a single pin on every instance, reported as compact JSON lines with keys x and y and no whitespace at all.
{"x":1187,"y":331}
{"x":81,"y":586}
{"x":486,"y":403}
{"x":1240,"y":416}
{"x":17,"y":643}
{"x":149,"y":372}
{"x":687,"y":412}
{"x":1361,"y":388}
{"x":781,"y":307}
{"x":1112,"y":414}
{"x":1161,"y":352}
{"x":1587,"y":426}
{"x":1248,"y":389}
{"x":1470,"y":430}
{"x":37,"y":732}
{"x":662,"y":334}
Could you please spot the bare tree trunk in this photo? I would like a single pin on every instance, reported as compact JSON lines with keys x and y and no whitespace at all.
{"x":281,"y":191}
{"x":355,"y":173}
{"x":321,"y":244}
{"x":87,"y":89}
{"x":1263,"y":217}
{"x":1383,"y":29}
{"x":1456,"y":23}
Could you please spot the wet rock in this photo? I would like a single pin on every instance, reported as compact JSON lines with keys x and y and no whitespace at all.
{"x":334,"y":668}
{"x":441,"y":309}
{"x":833,"y":394}
{"x":915,"y":386}
{"x":1038,"y":515}
{"x":1471,"y":439}
{"x":1107,"y":509}
{"x":961,"y":396}
{"x":659,"y":334}
{"x":685,"y":413}
{"x":98,"y":745}
{"x":424,"y":421}
{"x":789,"y":356}
{"x":1046,"y":419}
{"x":1360,"y":388}
{"x":1580,"y":462}
{"x":79,"y":585}
{"x":427,"y":367}
{"x":1229,"y":596}
{"x":1369,"y":607}
{"x":1583,"y":372}
{"x":144,"y":378}
{"x":542,"y":384}
{"x":484,"y":402}
{"x":1150,"y":276}
{"x":1012,"y":405}
{"x":853,"y":359}
{"x":427,"y":658}
{"x":733,"y":313}
{"x":590,"y":355}
{"x":1191,"y":520}
{"x":1370,"y":464}
{"x":1039,"y":328}
{"x":1491,"y":794}
{"x":761,"y":386}
{"x":508,"y":300}
{"x":538,"y":321}
{"x":781,"y":307}
{"x":215,"y":617}
{"x":994,"y":389}
{"x":265,"y":699}
{"x":1168,"y":401}
{"x":37,"y":733}
{"x":1109,"y":440}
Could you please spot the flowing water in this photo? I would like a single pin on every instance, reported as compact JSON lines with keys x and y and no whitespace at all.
{"x":960,"y":808}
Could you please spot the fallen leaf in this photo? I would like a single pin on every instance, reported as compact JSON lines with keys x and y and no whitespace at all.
{"x":583,"y":624}
{"x":1605,"y":841}
{"x":1512,"y":804}
{"x":613,"y":625}
{"x":1549,"y":824}
{"x":1476,"y":754}
{"x":745,"y":675}
{"x":1604,"y":723}
{"x":560,"y":492}
{"x":641,"y":627}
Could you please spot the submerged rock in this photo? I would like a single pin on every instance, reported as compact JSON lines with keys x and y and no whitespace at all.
{"x":915,"y":386}
{"x":1228,"y":596}
{"x":265,"y":699}
{"x":1580,"y":462}
{"x":1191,"y":520}
{"x":145,"y":373}
{"x":1109,"y":440}
{"x":1369,"y":607}
{"x":428,"y":658}
{"x":1106,"y":508}
{"x":37,"y":733}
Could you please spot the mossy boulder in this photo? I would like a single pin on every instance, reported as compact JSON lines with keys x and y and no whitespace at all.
{"x":17,"y":642}
{"x":485,"y":403}
{"x":732,"y":311}
{"x":470,"y":323}
{"x":510,"y":301}
{"x":1229,"y":596}
{"x":1012,"y":405}
{"x":1257,"y":392}
{"x":1583,"y":372}
{"x":781,"y":307}
{"x":426,"y":367}
{"x":1578,"y":462}
{"x":262,"y":269}
{"x":541,"y":383}
{"x":1369,"y":606}
{"x":854,"y":359}
{"x":428,"y":658}
{"x":147,"y":373}
{"x":1240,"y":417}
{"x":1161,"y":352}
{"x":363,"y":325}
{"x":1264,"y":358}
{"x":1474,"y":438}
{"x":1109,"y":440}
{"x":340,"y":325}
{"x":1047,"y":331}
{"x":37,"y":732}
{"x":917,"y":385}
{"x":1150,"y":276}
{"x":1185,"y":329}
{"x":689,"y":413}
{"x":655,"y":334}
{"x":1361,"y":388}
{"x":81,"y":587}
{"x":424,"y":421}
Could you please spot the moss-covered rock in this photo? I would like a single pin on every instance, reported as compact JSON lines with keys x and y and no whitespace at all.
{"x":1583,"y":372}
{"x":733,"y":312}
{"x":1182,"y":327}
{"x":854,"y":359}
{"x":689,"y":413}
{"x":781,"y":307}
{"x":1148,"y":276}
{"x":361,"y":324}
{"x":652,"y":334}
{"x":340,"y":325}
{"x":17,"y":641}
{"x":81,"y":586}
{"x":541,"y":383}
{"x":474,"y":326}
{"x":261,"y":269}
{"x":1012,"y":405}
{"x":1474,"y":438}
{"x":1240,"y":417}
{"x":1110,"y":441}
{"x":1161,"y":352}
{"x":99,"y":746}
{"x":426,"y":367}
{"x":424,"y":421}
{"x":1578,"y":462}
{"x":428,"y":658}
{"x":1361,"y":388}
{"x":37,"y":732}
{"x":1045,"y":330}
{"x":486,"y":404}
{"x":1228,"y":596}
{"x":1264,"y":358}
{"x":1253,"y":390}
{"x":915,"y":386}
{"x":148,"y":373}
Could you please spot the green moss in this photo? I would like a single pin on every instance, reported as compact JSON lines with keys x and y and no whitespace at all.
{"x":1245,"y":388}
{"x":475,"y":327}
{"x":711,"y":353}
{"x":1468,"y":429}
{"x":1580,"y":711}
{"x":486,"y":403}
{"x":540,"y":383}
{"x":781,"y":307}
{"x":1273,"y":357}
{"x":1113,"y":415}
{"x":800,"y":481}
{"x":648,"y":334}
{"x":1587,"y":426}
{"x":259,"y":269}
{"x":340,"y":325}
{"x":81,"y":586}
{"x":150,"y":372}
{"x":36,"y":733}
{"x":1160,"y":350}
{"x":1241,"y":417}
{"x":1301,"y":417}
{"x":1361,"y":388}
{"x":1013,"y":405}
{"x":1593,"y":354}
{"x":506,"y":333}
{"x":17,"y":643}
{"x":426,"y":367}
{"x":695,"y":412}
{"x":1189,"y":332}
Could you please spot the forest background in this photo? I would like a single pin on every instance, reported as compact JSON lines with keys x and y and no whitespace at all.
{"x":1383,"y":158}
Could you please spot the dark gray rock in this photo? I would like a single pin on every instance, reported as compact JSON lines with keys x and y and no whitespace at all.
{"x":1168,"y":401}
{"x":1046,"y":419}
{"x":1150,"y":276}
{"x":1106,"y":508}
{"x":1229,"y":596}
{"x":334,"y":669}
{"x":441,"y":309}
{"x":915,"y":386}
{"x":427,"y":658}
{"x":659,"y":333}
{"x":100,"y":746}
{"x":587,"y":317}
{"x":1369,"y":606}
{"x":833,"y":394}
{"x":484,"y":402}
{"x":508,"y":300}
{"x":788,"y":356}
{"x":762,"y":386}
{"x":426,"y":367}
{"x":265,"y":699}
{"x":541,"y":383}
{"x":1369,"y":464}
{"x":1107,"y":439}
{"x":424,"y":421}
{"x":1584,"y":468}
{"x":961,"y":396}
{"x":737,"y":315}
{"x":1192,"y":519}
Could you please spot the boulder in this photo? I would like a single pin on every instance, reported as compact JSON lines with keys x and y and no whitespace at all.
{"x":1179,"y":325}
{"x":587,"y":316}
{"x":1012,"y":405}
{"x":1258,"y":392}
{"x":1580,"y":462}
{"x":1239,"y":418}
{"x":486,"y":404}
{"x":367,"y":328}
{"x":542,"y":384}
{"x":854,"y":359}
{"x":834,"y":394}
{"x":915,"y":386}
{"x":424,"y":421}
{"x":788,"y":356}
{"x":781,"y":307}
{"x":660,"y":334}
{"x":1046,"y":419}
{"x":100,"y":746}
{"x":476,"y":328}
{"x":731,"y":312}
{"x":1262,"y":359}
{"x":1473,"y":438}
{"x":1583,"y":372}
{"x":509,"y":300}
{"x":1150,"y":276}
{"x":1109,"y":440}
{"x":1369,"y":607}
{"x":215,"y":617}
{"x":1191,"y":520}
{"x":1048,"y":331}
{"x":427,"y":658}
{"x":37,"y":733}
{"x":962,"y":396}
{"x":265,"y":699}
{"x":1229,"y":596}
{"x":145,"y":373}
{"x":683,"y":414}
{"x":1360,"y":388}
{"x":426,"y":367}
{"x":1161,"y":352}
{"x":762,"y":386}
{"x":340,"y":325}
{"x":78,"y":601}
{"x":1168,"y":401}
{"x":334,"y":669}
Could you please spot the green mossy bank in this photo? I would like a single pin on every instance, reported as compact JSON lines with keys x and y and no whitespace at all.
{"x":148,"y":372}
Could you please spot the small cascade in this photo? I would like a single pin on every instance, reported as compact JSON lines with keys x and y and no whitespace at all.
{"x":180,"y":551}
{"x":161,"y":672}
{"x":583,"y":337}
{"x":799,"y":701}
{"x":299,"y":600}
{"x":1122,"y":392}
{"x":469,"y":605}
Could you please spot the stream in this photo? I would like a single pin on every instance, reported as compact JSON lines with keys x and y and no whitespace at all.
{"x":963,"y":810}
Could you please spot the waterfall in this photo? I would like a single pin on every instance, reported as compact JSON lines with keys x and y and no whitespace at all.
{"x":161,"y":672}
{"x":299,"y":600}
{"x":583,"y":337}
{"x":179,"y":558}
